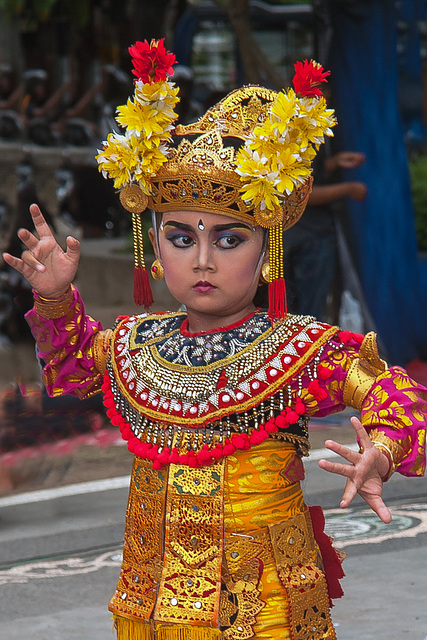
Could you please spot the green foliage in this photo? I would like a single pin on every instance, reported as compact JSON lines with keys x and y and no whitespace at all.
{"x":418,"y":172}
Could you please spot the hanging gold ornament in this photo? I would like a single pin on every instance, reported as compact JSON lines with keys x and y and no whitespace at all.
{"x":133,"y":198}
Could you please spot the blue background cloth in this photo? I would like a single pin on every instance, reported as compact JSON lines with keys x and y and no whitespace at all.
{"x":364,"y":72}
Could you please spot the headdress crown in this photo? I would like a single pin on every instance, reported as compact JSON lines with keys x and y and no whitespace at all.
{"x":248,"y":157}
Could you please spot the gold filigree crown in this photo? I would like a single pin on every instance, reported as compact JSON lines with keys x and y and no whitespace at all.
{"x":200,"y":172}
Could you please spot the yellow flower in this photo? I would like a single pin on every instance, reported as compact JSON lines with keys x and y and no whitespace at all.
{"x":315,"y":119}
{"x":292,"y":170}
{"x":284,"y":108}
{"x":260,"y":192}
{"x":265,"y":147}
{"x":117,"y":160}
{"x":139,"y":118}
{"x":259,"y":189}
{"x":159,"y":94}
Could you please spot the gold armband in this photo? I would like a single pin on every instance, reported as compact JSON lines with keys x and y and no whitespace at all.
{"x":53,"y":308}
{"x":362,"y":373}
{"x":392,"y":449}
{"x":101,"y":349}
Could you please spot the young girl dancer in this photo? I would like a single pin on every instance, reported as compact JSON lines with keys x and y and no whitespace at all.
{"x":214,"y":400}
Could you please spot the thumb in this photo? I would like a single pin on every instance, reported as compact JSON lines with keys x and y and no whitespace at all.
{"x":73,"y":248}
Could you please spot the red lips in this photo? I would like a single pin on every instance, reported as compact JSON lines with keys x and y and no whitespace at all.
{"x":203,"y":287}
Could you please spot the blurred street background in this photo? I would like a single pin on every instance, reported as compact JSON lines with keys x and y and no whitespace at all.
{"x":64,"y":67}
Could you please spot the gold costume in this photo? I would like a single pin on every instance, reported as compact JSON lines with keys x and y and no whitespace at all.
{"x":219,"y":543}
{"x":232,"y":558}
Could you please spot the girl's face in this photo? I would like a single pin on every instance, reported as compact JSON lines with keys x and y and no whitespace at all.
{"x":212,"y":265}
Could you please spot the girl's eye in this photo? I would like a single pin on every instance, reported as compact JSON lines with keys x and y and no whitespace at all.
{"x":228,"y":242}
{"x":181,"y":240}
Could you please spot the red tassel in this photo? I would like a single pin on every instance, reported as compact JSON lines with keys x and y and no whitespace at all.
{"x":142,"y":293}
{"x":192,"y":460}
{"x":163,"y":457}
{"x":291,"y":415}
{"x":323,"y":372}
{"x":316,"y":390}
{"x":204,"y":456}
{"x":238,"y":441}
{"x":299,"y":407}
{"x":277,"y":308}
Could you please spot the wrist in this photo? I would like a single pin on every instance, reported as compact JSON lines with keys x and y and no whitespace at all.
{"x":54,"y":307}
{"x":386,"y":466}
{"x":391,"y":449}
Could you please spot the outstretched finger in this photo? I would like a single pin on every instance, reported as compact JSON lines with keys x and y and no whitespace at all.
{"x":343,"y":451}
{"x":337,"y":467}
{"x":28,"y":238}
{"x":16,"y":263}
{"x":40,"y":223}
{"x":361,"y":432}
{"x":349,"y":494}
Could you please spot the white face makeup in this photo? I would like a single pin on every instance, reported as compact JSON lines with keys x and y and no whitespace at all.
{"x":211,"y":265}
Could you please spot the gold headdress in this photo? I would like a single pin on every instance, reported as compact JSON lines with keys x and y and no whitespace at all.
{"x":249,"y":157}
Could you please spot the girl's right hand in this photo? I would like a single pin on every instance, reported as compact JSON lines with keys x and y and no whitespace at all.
{"x":48,"y":269}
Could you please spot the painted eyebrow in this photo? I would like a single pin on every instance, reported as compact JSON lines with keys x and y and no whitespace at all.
{"x":217,"y":227}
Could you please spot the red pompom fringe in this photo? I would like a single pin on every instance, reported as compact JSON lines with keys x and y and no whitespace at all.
{"x":205,"y":456}
{"x":142,"y":293}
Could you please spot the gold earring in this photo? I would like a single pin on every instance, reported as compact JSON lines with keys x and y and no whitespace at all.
{"x":265,"y":274}
{"x":157,"y":270}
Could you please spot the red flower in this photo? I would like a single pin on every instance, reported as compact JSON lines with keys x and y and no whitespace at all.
{"x":152,"y":63}
{"x":308,"y":76}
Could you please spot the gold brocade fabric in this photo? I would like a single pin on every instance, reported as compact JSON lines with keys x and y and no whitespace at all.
{"x":263,"y":488}
{"x":240,"y":560}
{"x":191,"y":579}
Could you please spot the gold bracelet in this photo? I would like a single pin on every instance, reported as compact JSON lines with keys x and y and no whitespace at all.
{"x":384,"y":448}
{"x":101,"y":348}
{"x":50,"y":308}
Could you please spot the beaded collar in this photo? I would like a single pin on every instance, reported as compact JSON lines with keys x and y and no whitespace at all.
{"x":207,"y":394}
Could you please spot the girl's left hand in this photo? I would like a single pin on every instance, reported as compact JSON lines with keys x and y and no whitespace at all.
{"x":364,"y":473}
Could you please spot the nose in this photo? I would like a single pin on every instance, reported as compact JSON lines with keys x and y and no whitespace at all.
{"x":204,"y":258}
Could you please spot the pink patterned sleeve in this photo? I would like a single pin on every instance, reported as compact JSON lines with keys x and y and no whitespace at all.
{"x":64,"y":336}
{"x":393,"y":411}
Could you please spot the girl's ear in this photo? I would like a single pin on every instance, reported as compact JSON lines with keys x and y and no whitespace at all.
{"x":153,"y":241}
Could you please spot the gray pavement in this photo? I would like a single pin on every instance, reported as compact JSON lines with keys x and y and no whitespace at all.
{"x":60,"y":557}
